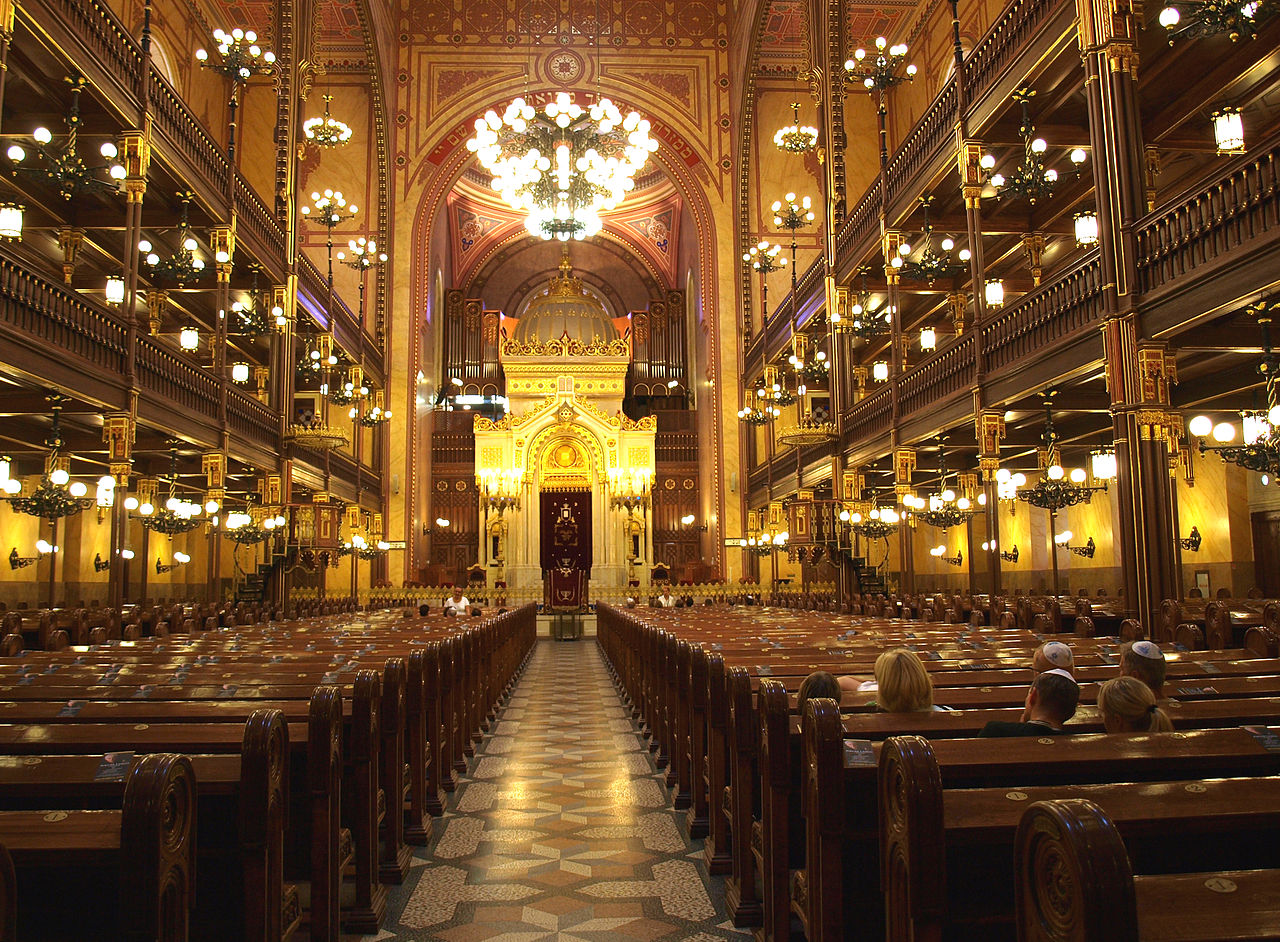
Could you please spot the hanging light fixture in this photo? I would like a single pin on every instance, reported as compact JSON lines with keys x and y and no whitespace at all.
{"x":255,"y":316}
{"x":189,"y":338}
{"x":63,"y":167}
{"x":930,"y":265}
{"x":1215,"y":17}
{"x":1031,"y":180}
{"x":879,"y":70}
{"x":115,"y":289}
{"x":56,"y":495}
{"x":1086,"y":228}
{"x":240,"y":58}
{"x":11,"y":215}
{"x":239,"y":372}
{"x":1228,"y":130}
{"x":1102,"y":462}
{"x":1260,"y":447}
{"x":184,"y":264}
{"x":796,"y":138}
{"x":994,"y":293}
{"x":177,"y":515}
{"x":562,"y":165}
{"x":928,"y":339}
{"x":327,"y":131}
{"x":880,"y":371}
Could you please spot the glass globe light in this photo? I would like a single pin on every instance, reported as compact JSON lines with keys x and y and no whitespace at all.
{"x":1077,"y":475}
{"x":59,"y":477}
{"x":1055,"y":472}
{"x":1200,"y":426}
{"x":1224,"y":432}
{"x":78,"y":489}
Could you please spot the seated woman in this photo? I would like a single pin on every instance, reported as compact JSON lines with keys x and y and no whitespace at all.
{"x":1127,"y":705}
{"x":903,"y":684}
{"x":817,"y":684}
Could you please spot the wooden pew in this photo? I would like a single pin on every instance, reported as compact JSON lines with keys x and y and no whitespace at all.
{"x":147,"y":845}
{"x":1073,"y":881}
{"x":944,"y":859}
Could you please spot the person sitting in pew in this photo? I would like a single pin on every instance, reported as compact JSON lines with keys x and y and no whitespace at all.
{"x":1053,"y":654}
{"x":903,"y":685}
{"x":424,"y":609}
{"x":456,"y":604}
{"x":1145,"y":661}
{"x":817,"y":684}
{"x":1127,"y":705}
{"x":1051,"y":701}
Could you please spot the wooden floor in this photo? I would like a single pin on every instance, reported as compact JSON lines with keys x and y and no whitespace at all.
{"x":561,"y":829}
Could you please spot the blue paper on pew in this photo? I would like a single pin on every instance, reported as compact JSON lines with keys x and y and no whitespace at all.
{"x":143,"y":692}
{"x":1195,"y":691}
{"x":859,"y":752}
{"x":52,"y":668}
{"x":113,"y":767}
{"x":1179,"y":647}
{"x":1209,"y":667}
{"x":717,"y":647}
{"x":764,"y":670}
{"x":228,"y":691}
{"x":1106,"y":659}
{"x":72,"y":708}
{"x":933,"y":655}
{"x":1268,"y":739}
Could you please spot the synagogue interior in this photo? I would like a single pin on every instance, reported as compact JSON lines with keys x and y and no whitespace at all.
{"x":568,"y":414}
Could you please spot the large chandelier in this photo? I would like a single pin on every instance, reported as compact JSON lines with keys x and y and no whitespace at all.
{"x":796,"y":138}
{"x":1260,"y":428}
{"x":63,"y":166}
{"x":945,"y":509}
{"x":327,"y":131}
{"x":929,"y":265}
{"x":1212,"y":17}
{"x":1031,"y":179}
{"x":56,"y":495}
{"x":184,"y":264}
{"x":562,"y":165}
{"x":177,"y":515}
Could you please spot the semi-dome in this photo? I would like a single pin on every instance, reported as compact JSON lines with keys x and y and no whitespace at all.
{"x":565,"y":310}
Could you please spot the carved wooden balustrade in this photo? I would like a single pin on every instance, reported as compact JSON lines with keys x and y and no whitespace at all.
{"x":930,"y":142}
{"x":1201,"y":230}
{"x":1038,"y":322}
{"x":950,"y":371}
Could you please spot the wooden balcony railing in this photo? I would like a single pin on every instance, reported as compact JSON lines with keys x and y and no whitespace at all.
{"x":60,"y":319}
{"x":934,"y":132}
{"x":947,"y":372}
{"x":1202,"y":227}
{"x":869,"y":418}
{"x":250,"y":418}
{"x":258,"y":222}
{"x":173,"y":379}
{"x":1039,"y":320}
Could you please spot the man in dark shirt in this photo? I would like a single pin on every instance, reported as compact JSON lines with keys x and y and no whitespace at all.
{"x":1051,"y":701}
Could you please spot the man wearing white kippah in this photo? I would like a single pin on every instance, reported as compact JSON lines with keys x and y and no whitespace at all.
{"x":1053,"y":654}
{"x":1145,"y":661}
{"x":1051,"y":701}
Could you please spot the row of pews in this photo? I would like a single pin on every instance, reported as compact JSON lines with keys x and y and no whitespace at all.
{"x":243,"y":782}
{"x":854,"y":824}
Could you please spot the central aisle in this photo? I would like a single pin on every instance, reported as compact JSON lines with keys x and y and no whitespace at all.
{"x":561,"y":830}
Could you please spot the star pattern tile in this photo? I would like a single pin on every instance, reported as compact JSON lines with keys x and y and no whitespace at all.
{"x":561,"y":829}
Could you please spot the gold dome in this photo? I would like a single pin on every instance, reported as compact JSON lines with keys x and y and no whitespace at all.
{"x":565,"y":309}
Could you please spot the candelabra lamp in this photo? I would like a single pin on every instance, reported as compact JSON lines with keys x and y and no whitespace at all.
{"x":796,"y":138}
{"x":56,"y":495}
{"x":256,"y":315}
{"x":930,"y":264}
{"x":239,"y":58}
{"x":184,"y":264}
{"x":177,"y":515}
{"x":1260,"y":429}
{"x":945,"y":509}
{"x":764,"y":258}
{"x":327,"y":131}
{"x":329,"y":209}
{"x":62,"y":166}
{"x":1031,"y":180}
{"x":877,"y":524}
{"x":629,"y":489}
{"x":375,"y":415}
{"x":1232,"y":18}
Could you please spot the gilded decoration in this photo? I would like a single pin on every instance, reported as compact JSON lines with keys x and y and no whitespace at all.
{"x":566,"y":348}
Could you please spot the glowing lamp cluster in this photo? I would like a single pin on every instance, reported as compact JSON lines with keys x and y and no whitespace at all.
{"x":326,"y":131}
{"x":241,"y":54}
{"x":796,"y":138}
{"x":561,"y":166}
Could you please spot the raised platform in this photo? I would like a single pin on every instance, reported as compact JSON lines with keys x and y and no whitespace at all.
{"x":587,"y":623}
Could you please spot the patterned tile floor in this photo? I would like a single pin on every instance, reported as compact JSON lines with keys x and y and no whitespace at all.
{"x":561,"y":830}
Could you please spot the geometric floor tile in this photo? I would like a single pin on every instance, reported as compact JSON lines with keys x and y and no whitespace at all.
{"x":561,"y":829}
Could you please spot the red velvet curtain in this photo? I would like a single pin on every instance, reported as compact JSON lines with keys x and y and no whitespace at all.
{"x":566,"y":530}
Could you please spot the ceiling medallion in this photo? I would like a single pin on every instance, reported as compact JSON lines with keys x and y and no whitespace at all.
{"x":564,"y":67}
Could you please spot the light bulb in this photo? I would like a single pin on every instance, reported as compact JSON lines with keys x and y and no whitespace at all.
{"x":146,"y":509}
{"x":1224,"y":432}
{"x":59,"y":477}
{"x":1077,"y":475}
{"x":1200,"y":426}
{"x":1055,"y":472}
{"x":78,"y":489}
{"x":131,"y":503}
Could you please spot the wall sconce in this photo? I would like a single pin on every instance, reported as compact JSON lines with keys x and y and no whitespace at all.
{"x":1228,"y":130}
{"x":938,"y":551}
{"x":994,"y":293}
{"x":687,"y":522}
{"x":100,"y":564}
{"x":179,"y":559}
{"x":1191,"y":542}
{"x":990,"y":546}
{"x":880,"y":371}
{"x":43,"y":548}
{"x":1086,"y":228}
{"x":115,"y":289}
{"x":1064,"y":538}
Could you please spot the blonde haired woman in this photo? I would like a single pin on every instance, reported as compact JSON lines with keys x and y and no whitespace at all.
{"x":1127,"y":705}
{"x":903,"y":685}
